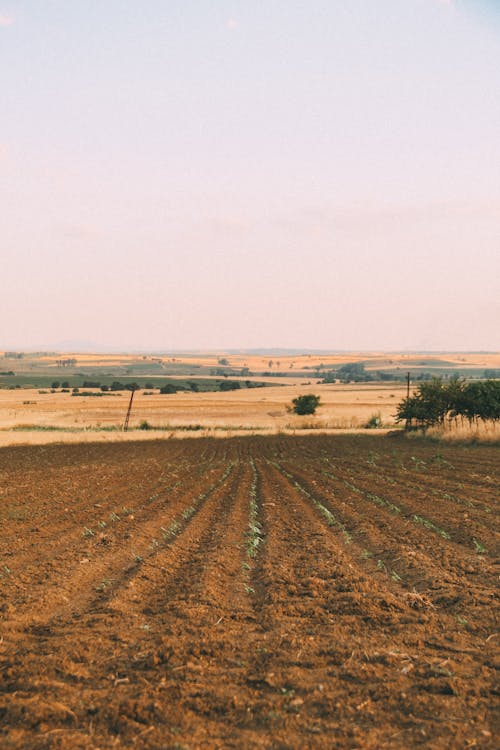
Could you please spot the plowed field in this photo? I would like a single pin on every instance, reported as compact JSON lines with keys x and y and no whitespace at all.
{"x":258,"y":592}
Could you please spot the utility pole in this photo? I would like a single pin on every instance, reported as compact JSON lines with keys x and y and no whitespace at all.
{"x":407,"y":423}
{"x":125,"y":426}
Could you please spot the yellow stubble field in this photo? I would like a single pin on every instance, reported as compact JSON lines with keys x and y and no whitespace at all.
{"x":80,"y":418}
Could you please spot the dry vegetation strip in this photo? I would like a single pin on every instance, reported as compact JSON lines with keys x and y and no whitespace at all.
{"x":253,"y":592}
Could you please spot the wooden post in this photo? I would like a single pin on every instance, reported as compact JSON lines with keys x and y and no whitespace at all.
{"x":125,"y":426}
{"x":407,"y":423}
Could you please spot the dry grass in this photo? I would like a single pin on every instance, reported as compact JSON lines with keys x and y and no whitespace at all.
{"x":484,"y":432}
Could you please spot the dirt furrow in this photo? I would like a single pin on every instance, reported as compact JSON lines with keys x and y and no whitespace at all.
{"x":226,"y":609}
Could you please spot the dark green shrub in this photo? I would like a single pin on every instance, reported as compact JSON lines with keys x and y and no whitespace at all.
{"x":306,"y":404}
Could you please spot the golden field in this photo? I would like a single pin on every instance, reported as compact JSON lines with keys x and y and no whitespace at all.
{"x":28,"y":415}
{"x":260,"y":409}
{"x":258,"y":362}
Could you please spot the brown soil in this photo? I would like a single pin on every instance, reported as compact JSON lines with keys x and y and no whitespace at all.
{"x":132,"y":613}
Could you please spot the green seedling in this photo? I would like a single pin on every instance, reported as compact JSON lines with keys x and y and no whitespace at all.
{"x":431,"y":526}
{"x":105,"y":584}
{"x":325,"y":512}
{"x":479,"y":548}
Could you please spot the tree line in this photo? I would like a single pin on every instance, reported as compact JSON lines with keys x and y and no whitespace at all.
{"x":437,"y":403}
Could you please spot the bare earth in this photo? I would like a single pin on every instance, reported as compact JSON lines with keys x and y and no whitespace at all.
{"x":257,"y":592}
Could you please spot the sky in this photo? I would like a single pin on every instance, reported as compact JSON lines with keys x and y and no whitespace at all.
{"x":212,"y":174}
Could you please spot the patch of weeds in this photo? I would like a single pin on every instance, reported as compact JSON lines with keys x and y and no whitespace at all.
{"x":366,"y":554}
{"x":462,"y":621}
{"x":395,"y":576}
{"x":374,"y":422}
{"x":114,"y":516}
{"x":87,"y":532}
{"x":381,"y":565}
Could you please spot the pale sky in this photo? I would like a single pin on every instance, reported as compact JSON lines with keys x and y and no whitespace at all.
{"x":210,"y":174}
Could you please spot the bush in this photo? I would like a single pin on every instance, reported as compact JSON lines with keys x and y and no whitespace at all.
{"x":56,"y":384}
{"x":144,"y":425}
{"x":374,"y":422}
{"x":306,"y":404}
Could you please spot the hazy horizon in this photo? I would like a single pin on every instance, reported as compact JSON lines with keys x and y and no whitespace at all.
{"x":206,"y":176}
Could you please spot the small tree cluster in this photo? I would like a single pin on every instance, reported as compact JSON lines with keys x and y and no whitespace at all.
{"x":229,"y":385}
{"x":434,"y":403}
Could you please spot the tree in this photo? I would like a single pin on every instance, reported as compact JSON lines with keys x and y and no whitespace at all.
{"x":306,"y":404}
{"x":229,"y":385}
{"x":132,"y":387}
{"x":168,"y":388}
{"x":355,"y":372}
{"x":436,"y":402}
